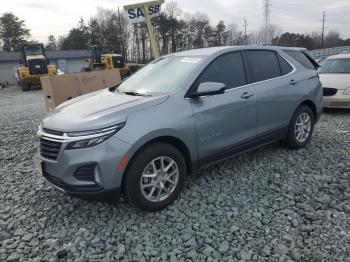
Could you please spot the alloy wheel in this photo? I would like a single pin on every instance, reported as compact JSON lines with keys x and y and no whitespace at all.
{"x":159,"y":179}
{"x":303,"y":127}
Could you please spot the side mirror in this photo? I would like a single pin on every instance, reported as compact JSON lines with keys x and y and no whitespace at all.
{"x":209,"y":89}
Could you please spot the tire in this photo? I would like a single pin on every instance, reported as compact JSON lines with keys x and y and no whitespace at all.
{"x":25,"y":86}
{"x":141,"y":166}
{"x":300,"y":137}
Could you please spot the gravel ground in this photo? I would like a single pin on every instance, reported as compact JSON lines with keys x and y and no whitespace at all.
{"x":272,"y":204}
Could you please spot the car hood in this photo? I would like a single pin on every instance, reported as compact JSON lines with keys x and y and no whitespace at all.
{"x":338,"y":81}
{"x":96,"y":110}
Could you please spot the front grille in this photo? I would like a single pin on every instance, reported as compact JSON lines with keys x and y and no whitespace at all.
{"x":53,"y":132}
{"x":49,"y":149}
{"x":340,"y":104}
{"x":328,"y":91}
{"x":85,"y":173}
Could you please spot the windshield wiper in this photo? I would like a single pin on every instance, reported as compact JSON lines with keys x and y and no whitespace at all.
{"x":133,"y":93}
{"x":114,"y":88}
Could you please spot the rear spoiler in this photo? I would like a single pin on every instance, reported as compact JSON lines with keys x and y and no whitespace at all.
{"x":312,"y":60}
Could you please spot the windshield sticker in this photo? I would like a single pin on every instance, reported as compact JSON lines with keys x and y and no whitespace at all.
{"x":190,"y":60}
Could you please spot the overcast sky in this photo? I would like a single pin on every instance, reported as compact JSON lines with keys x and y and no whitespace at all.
{"x":57,"y":17}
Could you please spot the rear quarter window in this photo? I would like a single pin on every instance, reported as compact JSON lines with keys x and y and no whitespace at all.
{"x":286,"y":68}
{"x":300,"y":57}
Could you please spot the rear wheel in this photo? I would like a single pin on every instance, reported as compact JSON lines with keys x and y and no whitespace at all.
{"x":301,"y":128}
{"x":25,"y":86}
{"x":155,"y":177}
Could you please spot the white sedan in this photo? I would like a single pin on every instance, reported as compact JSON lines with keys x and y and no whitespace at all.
{"x":335,"y":78}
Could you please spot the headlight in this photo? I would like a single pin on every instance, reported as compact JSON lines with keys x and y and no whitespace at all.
{"x":87,"y":142}
{"x":347,"y":91}
{"x":102,"y":131}
{"x":92,"y":137}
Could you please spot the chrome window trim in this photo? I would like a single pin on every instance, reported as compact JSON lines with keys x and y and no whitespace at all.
{"x":270,"y":79}
{"x":263,"y":81}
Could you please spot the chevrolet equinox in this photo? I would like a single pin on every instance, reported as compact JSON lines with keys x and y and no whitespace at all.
{"x":180,"y":113}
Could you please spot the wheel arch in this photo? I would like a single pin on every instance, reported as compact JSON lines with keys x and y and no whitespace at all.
{"x":312,"y":106}
{"x":290,"y":139}
{"x":168,"y":139}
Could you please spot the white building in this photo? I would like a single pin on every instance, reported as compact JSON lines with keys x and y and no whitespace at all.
{"x":68,"y":61}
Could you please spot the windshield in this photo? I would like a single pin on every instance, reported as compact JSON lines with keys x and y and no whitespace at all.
{"x":160,"y":77}
{"x":334,"y":66}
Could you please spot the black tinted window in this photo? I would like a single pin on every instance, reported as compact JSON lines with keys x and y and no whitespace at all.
{"x":285,"y":66}
{"x":301,"y":58}
{"x":263,"y":65}
{"x":227,"y":69}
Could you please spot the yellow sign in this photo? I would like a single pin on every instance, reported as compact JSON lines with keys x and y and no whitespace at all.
{"x":144,"y":11}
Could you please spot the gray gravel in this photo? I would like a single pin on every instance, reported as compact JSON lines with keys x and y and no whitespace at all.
{"x":272,"y":204}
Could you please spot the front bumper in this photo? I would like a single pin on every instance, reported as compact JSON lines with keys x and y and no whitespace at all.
{"x":103,"y":179}
{"x":82,"y":191}
{"x":339,"y":100}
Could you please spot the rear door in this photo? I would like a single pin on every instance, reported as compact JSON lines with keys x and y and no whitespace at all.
{"x":225,"y":120}
{"x":271,"y":75}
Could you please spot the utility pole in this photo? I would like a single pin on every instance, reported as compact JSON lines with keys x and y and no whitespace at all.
{"x":121,"y":35}
{"x":245,"y":31}
{"x":266,"y":12}
{"x":323,"y":28}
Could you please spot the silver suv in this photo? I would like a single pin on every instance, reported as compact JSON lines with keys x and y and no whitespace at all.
{"x":180,"y":113}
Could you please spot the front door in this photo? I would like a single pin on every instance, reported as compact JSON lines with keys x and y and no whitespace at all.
{"x":225,"y":120}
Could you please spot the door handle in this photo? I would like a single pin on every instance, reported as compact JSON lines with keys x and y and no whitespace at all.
{"x":246,"y":95}
{"x":292,"y":82}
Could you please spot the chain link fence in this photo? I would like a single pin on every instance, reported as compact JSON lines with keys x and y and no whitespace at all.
{"x":323,"y":53}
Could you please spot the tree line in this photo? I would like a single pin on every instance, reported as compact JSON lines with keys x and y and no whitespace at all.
{"x":175,"y":31}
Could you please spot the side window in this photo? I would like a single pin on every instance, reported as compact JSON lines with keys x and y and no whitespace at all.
{"x":227,"y":69}
{"x":301,"y":58}
{"x":263,"y":65}
{"x":285,"y":66}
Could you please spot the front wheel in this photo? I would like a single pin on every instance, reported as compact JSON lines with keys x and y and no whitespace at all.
{"x":301,"y":128}
{"x":156,"y":177}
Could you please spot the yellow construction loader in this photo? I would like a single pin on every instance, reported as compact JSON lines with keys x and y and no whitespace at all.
{"x":104,"y":58}
{"x":33,"y":65}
